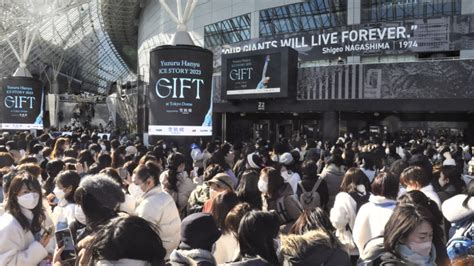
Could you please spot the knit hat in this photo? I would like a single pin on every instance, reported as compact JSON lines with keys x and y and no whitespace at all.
{"x":199,"y":231}
{"x":222,"y":180}
{"x":286,"y":158}
{"x":104,"y":189}
{"x":254,"y":161}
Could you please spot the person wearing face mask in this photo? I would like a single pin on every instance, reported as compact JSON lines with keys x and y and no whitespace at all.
{"x":26,"y":236}
{"x":278,"y":196}
{"x":354,"y":193}
{"x":408,"y":239}
{"x":155,"y":205}
{"x":99,"y":198}
{"x":287,"y":172}
{"x":176,"y":182}
{"x":66,"y":185}
{"x":218,"y":184}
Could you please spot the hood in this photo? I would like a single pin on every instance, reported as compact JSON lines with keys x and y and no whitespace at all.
{"x":123,"y":262}
{"x":380,"y":200}
{"x":372,"y":249}
{"x":192,"y":256}
{"x":333,"y":169}
{"x":314,"y":246}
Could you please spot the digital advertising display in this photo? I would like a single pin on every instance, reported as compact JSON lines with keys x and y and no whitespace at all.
{"x":180,"y":91}
{"x":261,"y":74}
{"x":22,"y":103}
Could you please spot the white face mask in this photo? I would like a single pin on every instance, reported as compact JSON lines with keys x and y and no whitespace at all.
{"x":135,"y":191}
{"x":79,"y":215}
{"x":423,"y":248}
{"x":59,"y":193}
{"x":29,"y":201}
{"x":103,"y":147}
{"x":361,"y":189}
{"x":262,"y":186}
{"x":387,"y":151}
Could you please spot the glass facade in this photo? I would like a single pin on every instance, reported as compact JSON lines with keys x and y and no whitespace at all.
{"x":310,"y":15}
{"x":79,"y":38}
{"x":228,"y":31}
{"x":392,"y":10}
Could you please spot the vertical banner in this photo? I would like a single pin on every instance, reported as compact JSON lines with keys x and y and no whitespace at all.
{"x":180,"y":91}
{"x":22,"y":103}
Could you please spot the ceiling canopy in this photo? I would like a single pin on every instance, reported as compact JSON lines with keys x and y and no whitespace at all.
{"x":90,"y":42}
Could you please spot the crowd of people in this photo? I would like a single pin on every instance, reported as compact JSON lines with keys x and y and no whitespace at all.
{"x":86,"y":200}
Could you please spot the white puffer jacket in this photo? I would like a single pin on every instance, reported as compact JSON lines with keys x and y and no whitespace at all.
{"x":342,"y":214}
{"x":19,"y":247}
{"x":158,"y":207}
{"x":371,"y":219}
{"x":453,"y":210}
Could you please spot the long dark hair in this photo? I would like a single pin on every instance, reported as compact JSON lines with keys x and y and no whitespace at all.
{"x":129,"y":237}
{"x":218,"y":157}
{"x":315,"y":219}
{"x":275,"y":181}
{"x":221,"y":206}
{"x":69,"y":179}
{"x":174,"y":161}
{"x":257,"y":230}
{"x":58,"y":150}
{"x":452,"y":173}
{"x":405,"y":219}
{"x":13,"y":207}
{"x":247,"y":191}
{"x":309,"y":170}
{"x":233,"y":218}
{"x":147,"y":170}
{"x":353,"y":177}
{"x":117,"y":159}
{"x":417,"y":197}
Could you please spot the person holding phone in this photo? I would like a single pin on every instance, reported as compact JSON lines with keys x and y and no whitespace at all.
{"x":25,"y":231}
{"x":66,"y":250}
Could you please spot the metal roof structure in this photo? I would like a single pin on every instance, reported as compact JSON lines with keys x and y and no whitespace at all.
{"x":95,"y":39}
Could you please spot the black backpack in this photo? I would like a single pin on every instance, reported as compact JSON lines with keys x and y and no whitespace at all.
{"x":360,"y":199}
